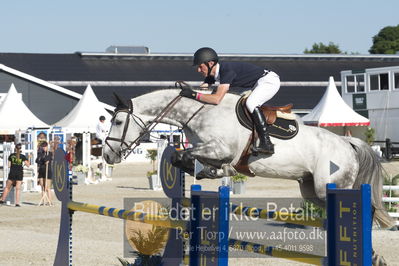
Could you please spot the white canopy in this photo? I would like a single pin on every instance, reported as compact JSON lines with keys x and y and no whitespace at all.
{"x":15,"y":115}
{"x":85,"y":115}
{"x":333,"y":111}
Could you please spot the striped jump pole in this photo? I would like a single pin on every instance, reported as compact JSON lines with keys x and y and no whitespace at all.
{"x":156,"y":220}
{"x":287,"y":217}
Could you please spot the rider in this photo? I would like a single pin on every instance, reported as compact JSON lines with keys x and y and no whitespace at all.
{"x":264,"y":84}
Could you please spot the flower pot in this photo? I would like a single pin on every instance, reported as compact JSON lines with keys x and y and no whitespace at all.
{"x":238,"y":187}
{"x":154,"y":182}
{"x":109,"y":171}
{"x":80,"y":177}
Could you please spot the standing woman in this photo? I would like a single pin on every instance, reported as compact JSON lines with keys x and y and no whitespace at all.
{"x":44,"y":158}
{"x":15,"y":177}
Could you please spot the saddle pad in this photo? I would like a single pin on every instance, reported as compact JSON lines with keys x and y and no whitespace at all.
{"x":281,"y":128}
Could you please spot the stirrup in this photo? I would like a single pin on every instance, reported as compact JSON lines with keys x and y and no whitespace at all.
{"x":263,"y":150}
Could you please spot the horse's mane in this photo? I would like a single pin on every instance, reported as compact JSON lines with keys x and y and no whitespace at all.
{"x":173,"y":92}
{"x":155,"y":92}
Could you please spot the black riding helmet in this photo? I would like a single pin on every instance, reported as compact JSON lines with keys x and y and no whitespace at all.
{"x":204,"y":55}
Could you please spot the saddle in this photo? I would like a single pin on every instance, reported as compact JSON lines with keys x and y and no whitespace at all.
{"x":282,"y":125}
{"x":282,"y":122}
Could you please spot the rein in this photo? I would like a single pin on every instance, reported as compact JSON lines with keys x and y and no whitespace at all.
{"x":125,"y":152}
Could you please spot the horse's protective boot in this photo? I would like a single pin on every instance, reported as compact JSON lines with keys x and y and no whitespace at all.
{"x":265,"y":145}
{"x":184,"y":161}
{"x":208,"y":172}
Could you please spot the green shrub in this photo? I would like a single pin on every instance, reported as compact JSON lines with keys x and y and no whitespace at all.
{"x":152,"y":155}
{"x":239,"y":178}
{"x":370,"y":135}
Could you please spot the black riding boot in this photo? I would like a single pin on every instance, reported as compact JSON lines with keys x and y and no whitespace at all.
{"x":265,"y":145}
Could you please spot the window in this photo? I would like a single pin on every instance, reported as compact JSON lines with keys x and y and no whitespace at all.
{"x":379,"y":82}
{"x":374,"y":82}
{"x":384,"y":82}
{"x":355,"y":83}
{"x":359,"y":83}
{"x":350,"y":84}
{"x":396,"y":81}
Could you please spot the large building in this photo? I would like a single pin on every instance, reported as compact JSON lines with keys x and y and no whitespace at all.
{"x":51,"y":84}
{"x":374,"y":93}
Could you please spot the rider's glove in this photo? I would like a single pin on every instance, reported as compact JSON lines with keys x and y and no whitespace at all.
{"x":188,"y":93}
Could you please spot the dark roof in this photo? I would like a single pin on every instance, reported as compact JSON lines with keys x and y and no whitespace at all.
{"x":284,"y":96}
{"x":158,"y":67}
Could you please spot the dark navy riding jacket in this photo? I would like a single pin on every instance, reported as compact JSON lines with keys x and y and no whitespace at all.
{"x":238,"y":74}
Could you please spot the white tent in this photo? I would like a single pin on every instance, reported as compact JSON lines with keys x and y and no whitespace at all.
{"x":85,"y":115}
{"x":332,"y":111}
{"x":15,"y":115}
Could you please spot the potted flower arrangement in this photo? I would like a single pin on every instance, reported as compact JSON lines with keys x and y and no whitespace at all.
{"x":238,"y":183}
{"x":152,"y":175}
{"x":147,"y":241}
{"x":149,"y":246}
{"x":80,"y":171}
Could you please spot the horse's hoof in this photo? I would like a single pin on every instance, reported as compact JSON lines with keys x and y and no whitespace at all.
{"x":207,"y":172}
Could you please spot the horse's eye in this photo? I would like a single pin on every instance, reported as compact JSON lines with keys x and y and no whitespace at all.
{"x":118,"y":123}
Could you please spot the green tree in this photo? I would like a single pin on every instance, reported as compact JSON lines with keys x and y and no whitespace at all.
{"x":320,"y":48}
{"x":386,"y":41}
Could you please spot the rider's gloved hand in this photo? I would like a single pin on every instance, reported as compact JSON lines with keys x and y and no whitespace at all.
{"x":188,"y":93}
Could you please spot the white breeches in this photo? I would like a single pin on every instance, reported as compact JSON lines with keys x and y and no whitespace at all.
{"x":264,"y":90}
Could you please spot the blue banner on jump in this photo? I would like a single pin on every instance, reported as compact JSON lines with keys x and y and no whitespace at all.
{"x":349,"y":223}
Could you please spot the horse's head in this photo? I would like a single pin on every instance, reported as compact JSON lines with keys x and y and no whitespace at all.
{"x":123,"y":134}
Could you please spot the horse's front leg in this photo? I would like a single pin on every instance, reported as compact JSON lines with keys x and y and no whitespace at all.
{"x":186,"y":162}
{"x":212,"y":155}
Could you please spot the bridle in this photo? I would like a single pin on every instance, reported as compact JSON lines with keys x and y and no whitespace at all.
{"x":126,"y":147}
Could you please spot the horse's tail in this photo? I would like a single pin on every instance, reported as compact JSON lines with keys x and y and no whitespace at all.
{"x":370,"y":172}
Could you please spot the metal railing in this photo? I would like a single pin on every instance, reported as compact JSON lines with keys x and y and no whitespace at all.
{"x":390,"y":149}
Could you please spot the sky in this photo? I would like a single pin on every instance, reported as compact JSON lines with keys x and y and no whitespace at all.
{"x":169,"y":26}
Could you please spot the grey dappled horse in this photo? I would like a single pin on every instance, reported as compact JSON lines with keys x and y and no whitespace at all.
{"x":314,"y":157}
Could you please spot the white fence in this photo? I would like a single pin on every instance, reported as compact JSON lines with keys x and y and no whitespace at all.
{"x":391,"y":199}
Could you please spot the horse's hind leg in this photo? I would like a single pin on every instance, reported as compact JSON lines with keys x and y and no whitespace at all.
{"x":306,"y":185}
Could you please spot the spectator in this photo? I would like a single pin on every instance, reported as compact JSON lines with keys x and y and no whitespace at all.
{"x":44,"y":158}
{"x":41,"y":137}
{"x":101,"y":130}
{"x":348,"y":133}
{"x":15,"y":177}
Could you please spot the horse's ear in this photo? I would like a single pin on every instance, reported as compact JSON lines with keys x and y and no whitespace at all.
{"x":120,"y":104}
{"x":130,"y":106}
